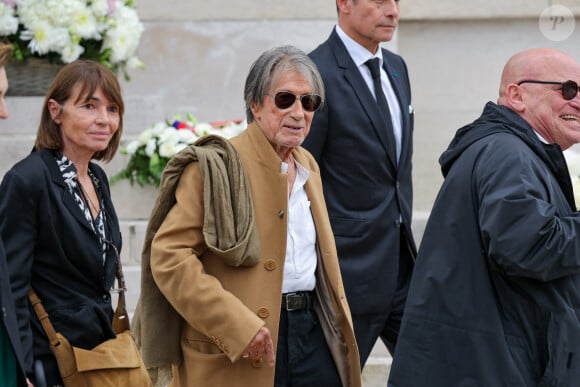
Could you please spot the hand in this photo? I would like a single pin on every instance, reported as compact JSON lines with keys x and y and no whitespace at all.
{"x":28,"y":383}
{"x":260,"y":346}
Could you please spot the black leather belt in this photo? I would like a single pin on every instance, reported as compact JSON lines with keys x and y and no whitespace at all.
{"x":297,"y":301}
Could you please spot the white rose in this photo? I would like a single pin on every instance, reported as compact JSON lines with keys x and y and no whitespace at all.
{"x":145,"y":136}
{"x":84,"y":24}
{"x":71,"y":52}
{"x":8,"y":22}
{"x":123,"y":33}
{"x":158,"y":128}
{"x":169,"y":135}
{"x":132,"y":147}
{"x":150,"y":147}
{"x":203,"y":129}
{"x":186,"y":136}
{"x":167,"y":149}
{"x":100,"y":8}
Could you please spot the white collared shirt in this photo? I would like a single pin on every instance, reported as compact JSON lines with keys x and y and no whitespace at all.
{"x":542,"y":139}
{"x":360,"y":55}
{"x":301,"y":256}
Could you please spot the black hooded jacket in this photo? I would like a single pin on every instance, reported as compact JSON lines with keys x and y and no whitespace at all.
{"x":495,"y":294}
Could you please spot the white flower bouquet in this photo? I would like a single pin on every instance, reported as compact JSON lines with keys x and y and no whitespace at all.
{"x":150,"y":153}
{"x":107,"y":31}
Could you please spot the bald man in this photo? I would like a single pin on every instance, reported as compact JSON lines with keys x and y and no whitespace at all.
{"x":495,"y":295}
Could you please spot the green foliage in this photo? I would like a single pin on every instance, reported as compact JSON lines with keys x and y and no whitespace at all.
{"x":142,"y":169}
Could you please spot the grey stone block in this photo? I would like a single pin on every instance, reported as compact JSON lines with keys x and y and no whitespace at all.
{"x":376,"y":371}
{"x":133,"y":282}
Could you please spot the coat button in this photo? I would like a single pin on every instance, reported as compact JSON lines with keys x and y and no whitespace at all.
{"x":270,"y":265}
{"x":106,"y":297}
{"x":281,"y":213}
{"x":398,"y":223}
{"x":257,"y":363}
{"x":263,"y":312}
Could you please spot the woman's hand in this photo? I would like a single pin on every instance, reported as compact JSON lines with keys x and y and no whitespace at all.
{"x":260,"y":346}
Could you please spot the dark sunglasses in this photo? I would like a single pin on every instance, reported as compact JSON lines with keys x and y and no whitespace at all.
{"x":285,"y":99}
{"x":569,"y":88}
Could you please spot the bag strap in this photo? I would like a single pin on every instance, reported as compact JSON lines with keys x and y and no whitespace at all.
{"x":43,"y":317}
{"x":120,"y":319}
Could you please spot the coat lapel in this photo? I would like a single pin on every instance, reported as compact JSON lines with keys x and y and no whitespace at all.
{"x":398,"y":82}
{"x":67,"y":199}
{"x":368,"y":103}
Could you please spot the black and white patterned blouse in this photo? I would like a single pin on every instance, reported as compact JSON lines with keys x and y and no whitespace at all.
{"x":69,"y":174}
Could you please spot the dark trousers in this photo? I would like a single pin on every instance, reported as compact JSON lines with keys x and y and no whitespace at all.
{"x":369,"y":327}
{"x":46,"y":373}
{"x":303,"y":357}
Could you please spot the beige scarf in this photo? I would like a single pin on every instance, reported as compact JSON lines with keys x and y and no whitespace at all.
{"x":228,"y":212}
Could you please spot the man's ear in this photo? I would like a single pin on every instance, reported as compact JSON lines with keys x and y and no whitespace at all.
{"x":54,"y":109}
{"x":343,"y":5}
{"x":255,"y":111}
{"x":515,"y":98}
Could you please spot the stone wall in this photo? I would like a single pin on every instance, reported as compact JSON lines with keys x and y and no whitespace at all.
{"x":197,"y":54}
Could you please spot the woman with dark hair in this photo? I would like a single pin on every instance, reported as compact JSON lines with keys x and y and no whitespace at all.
{"x":57,"y":221}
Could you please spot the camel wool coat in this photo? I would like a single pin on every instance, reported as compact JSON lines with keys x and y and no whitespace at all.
{"x":223,"y":306}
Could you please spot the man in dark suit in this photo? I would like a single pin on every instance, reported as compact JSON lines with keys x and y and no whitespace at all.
{"x":11,"y":360}
{"x":364,"y":151}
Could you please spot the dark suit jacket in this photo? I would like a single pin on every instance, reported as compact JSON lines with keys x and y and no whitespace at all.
{"x":51,"y":247}
{"x":367,"y":194}
{"x":8,"y":317}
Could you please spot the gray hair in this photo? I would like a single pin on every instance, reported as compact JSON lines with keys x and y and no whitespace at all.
{"x":271,"y":64}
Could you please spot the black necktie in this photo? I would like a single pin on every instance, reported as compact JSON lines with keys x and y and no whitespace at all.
{"x":374,"y":66}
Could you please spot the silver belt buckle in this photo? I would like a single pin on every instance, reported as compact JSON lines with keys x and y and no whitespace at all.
{"x":294,"y":302}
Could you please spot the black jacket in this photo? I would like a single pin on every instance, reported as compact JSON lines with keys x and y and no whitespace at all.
{"x":495,"y":296}
{"x":8,"y":317}
{"x":369,"y":196}
{"x":50,"y":246}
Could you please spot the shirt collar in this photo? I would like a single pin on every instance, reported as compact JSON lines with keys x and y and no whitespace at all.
{"x":302,"y":174}
{"x":542,"y":139}
{"x":358,"y":53}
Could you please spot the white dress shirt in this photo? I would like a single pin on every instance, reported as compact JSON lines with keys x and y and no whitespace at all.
{"x":301,"y":256}
{"x":360,"y":55}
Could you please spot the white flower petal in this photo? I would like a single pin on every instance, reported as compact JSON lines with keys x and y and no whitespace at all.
{"x":167,"y":149}
{"x":151,"y":147}
{"x":63,"y":27}
{"x":186,"y":136}
{"x":132,"y":147}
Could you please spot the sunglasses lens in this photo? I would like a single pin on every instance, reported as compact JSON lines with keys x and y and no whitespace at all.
{"x":284,"y":99}
{"x":569,"y":90}
{"x":310,"y":102}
